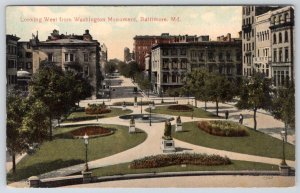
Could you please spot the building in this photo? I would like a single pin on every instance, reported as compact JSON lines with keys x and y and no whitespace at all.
{"x":282,"y":37}
{"x":77,"y":53}
{"x":249,"y":35}
{"x":143,"y":44}
{"x":11,"y":61}
{"x":268,"y":42}
{"x":170,"y":62}
{"x":103,"y":58}
{"x":128,"y":56}
{"x":262,"y":59}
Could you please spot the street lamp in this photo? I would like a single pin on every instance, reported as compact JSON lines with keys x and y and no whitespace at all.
{"x":141,"y":105}
{"x":150,"y":107}
{"x":86,"y":142}
{"x":162,"y":96}
{"x":282,"y":133}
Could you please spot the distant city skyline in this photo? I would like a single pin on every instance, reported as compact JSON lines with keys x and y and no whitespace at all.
{"x":115,"y":26}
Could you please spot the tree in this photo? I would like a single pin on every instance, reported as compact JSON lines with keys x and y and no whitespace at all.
{"x":35,"y":122}
{"x":110,"y":67}
{"x":283,"y":106}
{"x":195,"y":83}
{"x":129,"y":70}
{"x":173,"y":92}
{"x":255,"y":93}
{"x":15,"y":141}
{"x":218,"y":89}
{"x":55,"y":89}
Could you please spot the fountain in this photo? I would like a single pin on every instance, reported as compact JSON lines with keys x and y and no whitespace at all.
{"x":145,"y":118}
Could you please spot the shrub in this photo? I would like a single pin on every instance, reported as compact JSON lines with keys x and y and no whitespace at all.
{"x":91,"y":131}
{"x":97,"y":109}
{"x":223,"y":128}
{"x":177,"y":159}
{"x":182,"y":108}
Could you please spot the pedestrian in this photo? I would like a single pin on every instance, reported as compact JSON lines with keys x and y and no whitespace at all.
{"x":241,"y":119}
{"x":226,"y":114}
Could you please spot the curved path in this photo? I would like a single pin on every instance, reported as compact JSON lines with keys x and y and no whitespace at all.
{"x":151,"y":146}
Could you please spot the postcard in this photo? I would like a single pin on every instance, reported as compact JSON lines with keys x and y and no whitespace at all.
{"x":150,"y":96}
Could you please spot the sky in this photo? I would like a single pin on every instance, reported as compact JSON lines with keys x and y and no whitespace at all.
{"x":116,"y":35}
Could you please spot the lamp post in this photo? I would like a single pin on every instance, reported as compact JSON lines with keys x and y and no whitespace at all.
{"x":141,"y":105}
{"x":150,"y":107}
{"x":86,"y":142}
{"x":282,"y":133}
{"x":162,"y":96}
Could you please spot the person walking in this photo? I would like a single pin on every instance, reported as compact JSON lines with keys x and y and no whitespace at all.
{"x":241,"y":119}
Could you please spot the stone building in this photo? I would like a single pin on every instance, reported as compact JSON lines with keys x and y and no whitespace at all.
{"x":103,"y":58}
{"x":25,"y":56}
{"x":282,"y":30}
{"x":170,"y":62}
{"x":143,"y":44}
{"x":77,"y":53}
{"x":11,"y":61}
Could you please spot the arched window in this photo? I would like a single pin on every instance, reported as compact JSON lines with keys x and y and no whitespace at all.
{"x":286,"y":36}
{"x":280,"y":38}
{"x":274,"y":39}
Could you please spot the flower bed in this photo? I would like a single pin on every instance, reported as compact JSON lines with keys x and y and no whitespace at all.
{"x":96,"y":109}
{"x":182,"y":108}
{"x":131,"y":103}
{"x":91,"y":131}
{"x":223,"y":128}
{"x":177,"y":159}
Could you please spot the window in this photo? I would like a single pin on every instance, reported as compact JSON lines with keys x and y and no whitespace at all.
{"x":279,"y":18}
{"x":174,"y":52}
{"x":10,"y":64}
{"x":286,"y":54}
{"x":286,"y":36}
{"x":165,"y":52}
{"x":210,"y":56}
{"x":280,"y":38}
{"x":86,"y":57}
{"x":66,"y":57}
{"x":165,"y":78}
{"x":165,"y":63}
{"x":71,"y":57}
{"x":28,"y":65}
{"x":221,"y":56}
{"x":280,"y":54}
{"x":275,"y":78}
{"x":174,"y":78}
{"x":183,"y":64}
{"x":50,"y":57}
{"x":86,"y":71}
{"x":174,"y":64}
{"x":267,"y":72}
{"x":257,"y":52}
{"x":252,"y":45}
{"x":228,"y":56}
{"x":275,"y":55}
{"x":183,"y":52}
{"x":28,"y":45}
{"x":274,"y":39}
{"x":28,"y":55}
{"x":201,"y":56}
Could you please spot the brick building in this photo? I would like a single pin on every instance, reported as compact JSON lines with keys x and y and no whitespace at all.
{"x":11,"y":60}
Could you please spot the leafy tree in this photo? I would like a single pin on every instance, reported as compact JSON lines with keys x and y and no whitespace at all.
{"x":255,"y":93}
{"x":129,"y":70}
{"x":218,"y":89}
{"x":195,"y":83}
{"x":15,"y":141}
{"x":50,"y":85}
{"x":173,"y":92}
{"x":35,"y":122}
{"x":110,"y":67}
{"x":283,"y":106}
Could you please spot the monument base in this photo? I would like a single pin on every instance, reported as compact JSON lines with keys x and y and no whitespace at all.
{"x":178,"y":127}
{"x":131,"y":129}
{"x":167,"y":146}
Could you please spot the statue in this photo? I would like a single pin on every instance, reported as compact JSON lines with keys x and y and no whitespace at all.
{"x":132,"y":121}
{"x":178,"y":120}
{"x":178,"y":126}
{"x":168,"y":131}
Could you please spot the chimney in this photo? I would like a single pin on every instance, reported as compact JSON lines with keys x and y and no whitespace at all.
{"x":229,"y":37}
{"x":87,"y":31}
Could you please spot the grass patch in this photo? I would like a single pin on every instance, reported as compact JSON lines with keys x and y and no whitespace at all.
{"x":257,"y":143}
{"x":61,"y":153}
{"x":121,"y":169}
{"x":197,"y":112}
{"x":82,"y":116}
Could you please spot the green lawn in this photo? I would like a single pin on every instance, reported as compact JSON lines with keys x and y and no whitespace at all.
{"x":61,"y":153}
{"x":257,"y":143}
{"x":121,"y":169}
{"x":81,"y":116}
{"x":198,"y":112}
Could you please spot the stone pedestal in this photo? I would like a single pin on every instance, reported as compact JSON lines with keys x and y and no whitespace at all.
{"x":167,"y":145}
{"x":34,"y":182}
{"x":131,"y":128}
{"x":123,"y":108}
{"x":86,"y":177}
{"x":178,"y":127}
{"x":284,"y":170}
{"x":135,"y":104}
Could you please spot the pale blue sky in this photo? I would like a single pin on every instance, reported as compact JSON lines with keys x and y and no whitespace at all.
{"x":194,"y":20}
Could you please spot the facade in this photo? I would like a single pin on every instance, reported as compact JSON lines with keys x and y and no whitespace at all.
{"x":282,"y":30}
{"x":171,"y":62}
{"x":77,"y":53}
{"x":143,"y":44}
{"x":103,"y":58}
{"x":11,"y":60}
{"x":128,"y":56}
{"x":270,"y":50}
{"x":262,"y":59}
{"x":25,"y":56}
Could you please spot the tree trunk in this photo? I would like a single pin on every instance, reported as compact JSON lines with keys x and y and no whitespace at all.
{"x":50,"y":129}
{"x":254,"y":117}
{"x":13,"y":162}
{"x":217,"y":107}
{"x":285,"y":129}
